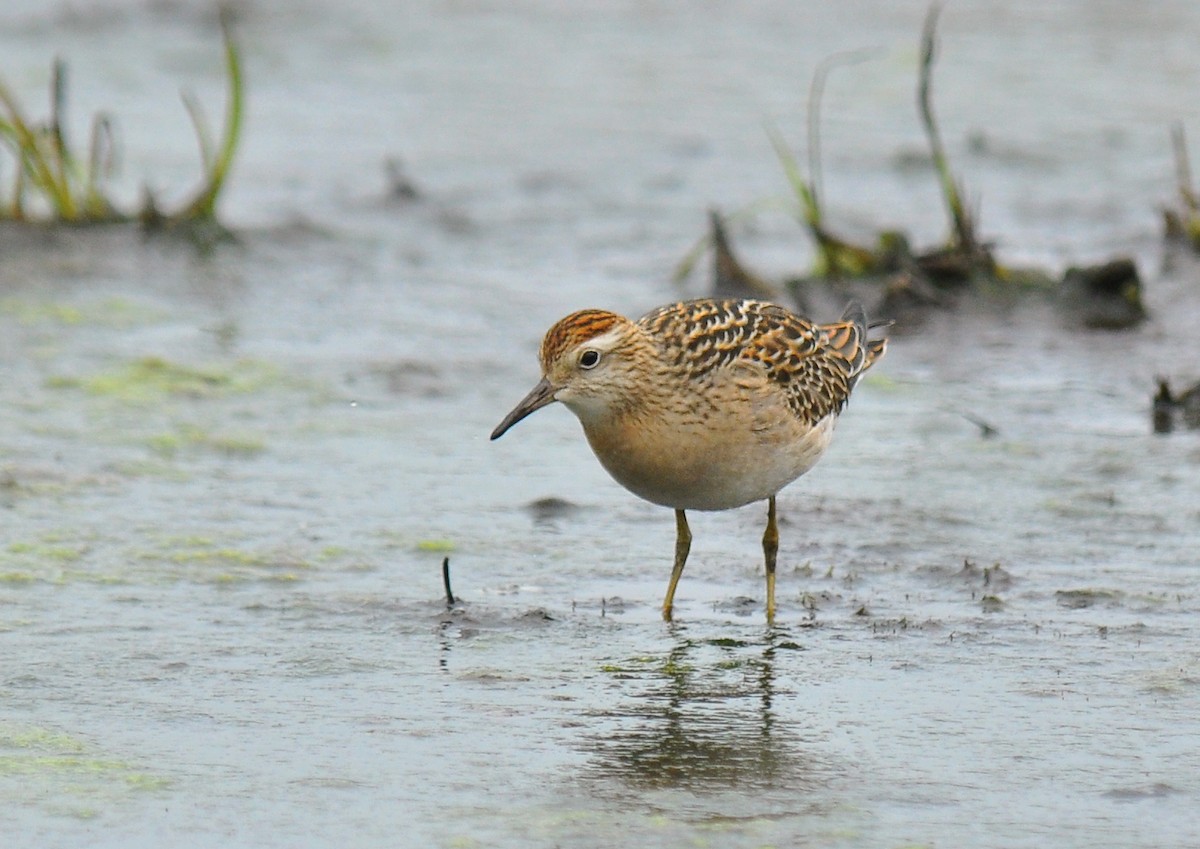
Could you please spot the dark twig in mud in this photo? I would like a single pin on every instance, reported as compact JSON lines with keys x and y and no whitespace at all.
{"x":697,"y":251}
{"x":1162,"y":408}
{"x":400,"y":187}
{"x":450,"y":601}
{"x":1168,"y":406}
{"x":731,"y":278}
{"x":986,"y":430}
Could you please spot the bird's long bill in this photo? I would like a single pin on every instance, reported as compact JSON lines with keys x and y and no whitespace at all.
{"x":538,"y":397}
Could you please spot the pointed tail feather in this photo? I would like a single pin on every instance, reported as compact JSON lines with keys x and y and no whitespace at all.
{"x":876,"y":348}
{"x":860,"y":351}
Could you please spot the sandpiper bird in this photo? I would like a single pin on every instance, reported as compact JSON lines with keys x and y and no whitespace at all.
{"x":705,"y":404}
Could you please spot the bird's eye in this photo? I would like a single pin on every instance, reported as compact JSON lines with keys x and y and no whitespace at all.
{"x":589,"y":359}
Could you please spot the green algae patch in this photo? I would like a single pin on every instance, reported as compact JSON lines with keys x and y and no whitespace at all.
{"x":109,"y":312}
{"x":40,"y":739}
{"x":630,"y":665}
{"x":65,"y":774}
{"x":1076,"y":599}
{"x":435,"y":545}
{"x":155,"y":467}
{"x":154,"y":378}
{"x":206,"y":560}
{"x":884,"y":383}
{"x":189,"y":438}
{"x":21,"y":481}
{"x":32,"y":312}
{"x":53,"y":553}
{"x":196,"y":558}
{"x":224,"y":559}
{"x":231,"y":556}
{"x":50,"y":559}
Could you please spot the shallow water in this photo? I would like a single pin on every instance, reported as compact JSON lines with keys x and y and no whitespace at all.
{"x":228,"y":482}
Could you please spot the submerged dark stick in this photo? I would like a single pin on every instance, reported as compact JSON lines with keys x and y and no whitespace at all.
{"x":986,"y":430}
{"x":446,"y":581}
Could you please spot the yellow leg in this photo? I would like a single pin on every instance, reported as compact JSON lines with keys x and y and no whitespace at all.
{"x":770,"y":549}
{"x":683,"y":544}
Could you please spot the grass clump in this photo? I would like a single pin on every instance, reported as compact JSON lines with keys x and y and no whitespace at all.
{"x":907,"y":282}
{"x":963,"y":258}
{"x":151,"y":378}
{"x":960,"y":259}
{"x":57,"y":183}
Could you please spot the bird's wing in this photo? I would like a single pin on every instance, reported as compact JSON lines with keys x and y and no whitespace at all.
{"x":815,"y":365}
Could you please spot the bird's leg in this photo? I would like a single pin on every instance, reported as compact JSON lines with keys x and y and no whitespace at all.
{"x":683,"y":544}
{"x":770,"y":549}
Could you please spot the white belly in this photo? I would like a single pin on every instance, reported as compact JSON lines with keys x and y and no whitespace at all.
{"x":699,"y":468}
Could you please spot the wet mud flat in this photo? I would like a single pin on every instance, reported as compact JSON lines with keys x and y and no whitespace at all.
{"x":228,"y":483}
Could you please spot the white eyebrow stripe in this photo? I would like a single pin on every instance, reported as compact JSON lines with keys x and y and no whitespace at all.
{"x":605,"y":341}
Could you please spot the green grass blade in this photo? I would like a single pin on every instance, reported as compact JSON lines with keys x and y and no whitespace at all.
{"x":32,"y":159}
{"x":101,"y":162}
{"x":55,"y":138}
{"x":960,"y":219}
{"x":200,"y":125}
{"x":217,"y":166}
{"x":800,"y":186}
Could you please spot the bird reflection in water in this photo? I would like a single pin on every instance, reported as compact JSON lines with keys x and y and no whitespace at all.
{"x":702,"y":719}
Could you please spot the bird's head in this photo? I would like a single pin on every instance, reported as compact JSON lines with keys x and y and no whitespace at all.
{"x":588,"y":363}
